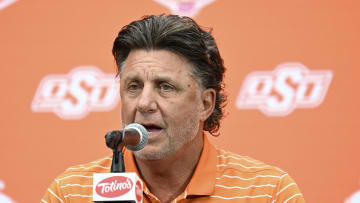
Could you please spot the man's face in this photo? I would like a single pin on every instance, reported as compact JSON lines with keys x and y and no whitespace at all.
{"x":159,"y":92}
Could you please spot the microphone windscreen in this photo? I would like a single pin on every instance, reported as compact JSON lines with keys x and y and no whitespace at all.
{"x":141,"y":131}
{"x":113,"y":138}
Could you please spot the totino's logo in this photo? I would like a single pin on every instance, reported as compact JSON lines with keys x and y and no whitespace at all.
{"x":74,"y":95}
{"x":279,"y":92}
{"x":114,"y":186}
{"x":185,"y":7}
{"x":6,"y":3}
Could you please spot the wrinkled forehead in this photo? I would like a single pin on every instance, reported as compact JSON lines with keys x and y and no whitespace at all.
{"x":140,"y":55}
{"x":141,"y":61}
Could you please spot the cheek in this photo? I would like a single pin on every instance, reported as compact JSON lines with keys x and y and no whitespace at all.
{"x":128,"y":110}
{"x":178,"y":112}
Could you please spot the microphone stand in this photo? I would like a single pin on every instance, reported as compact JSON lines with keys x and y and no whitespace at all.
{"x":114,"y":140}
{"x":117,"y":164}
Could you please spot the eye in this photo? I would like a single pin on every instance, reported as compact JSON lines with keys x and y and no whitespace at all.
{"x":166,"y":87}
{"x":133,"y":86}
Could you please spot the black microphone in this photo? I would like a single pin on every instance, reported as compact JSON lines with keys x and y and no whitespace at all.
{"x":119,"y":186}
{"x":134,"y":137}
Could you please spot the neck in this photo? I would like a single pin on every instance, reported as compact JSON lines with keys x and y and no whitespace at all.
{"x":167,"y":178}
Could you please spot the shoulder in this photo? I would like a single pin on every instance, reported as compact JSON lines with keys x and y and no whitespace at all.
{"x":242,"y":176}
{"x":98,"y":166}
{"x":228,"y":161}
{"x":76,"y":181}
{"x":83,"y":172}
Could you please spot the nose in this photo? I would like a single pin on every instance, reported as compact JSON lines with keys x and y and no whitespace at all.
{"x":147,"y":100}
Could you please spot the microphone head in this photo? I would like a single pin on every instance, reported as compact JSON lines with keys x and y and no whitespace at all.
{"x":113,"y":138}
{"x":143,"y":135}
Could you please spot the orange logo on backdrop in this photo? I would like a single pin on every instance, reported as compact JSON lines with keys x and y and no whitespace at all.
{"x":185,"y":7}
{"x":73,"y":96}
{"x":6,"y":3}
{"x":279,"y":92}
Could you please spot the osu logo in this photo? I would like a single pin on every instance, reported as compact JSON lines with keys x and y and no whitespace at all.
{"x":279,"y":92}
{"x":6,"y":3}
{"x":3,"y":197}
{"x":185,"y":7}
{"x":354,"y":198}
{"x":73,"y":96}
{"x":114,"y":186}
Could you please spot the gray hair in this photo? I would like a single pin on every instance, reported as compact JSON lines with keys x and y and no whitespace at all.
{"x":183,"y":36}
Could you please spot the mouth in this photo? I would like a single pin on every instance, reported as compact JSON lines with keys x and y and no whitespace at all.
{"x":152,"y":127}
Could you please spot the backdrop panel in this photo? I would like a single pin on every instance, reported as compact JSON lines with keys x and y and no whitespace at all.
{"x":292,"y":80}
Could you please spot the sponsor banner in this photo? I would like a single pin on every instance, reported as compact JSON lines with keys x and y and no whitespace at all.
{"x":185,"y":7}
{"x":279,"y":92}
{"x":6,"y":3}
{"x":3,"y":197}
{"x":117,"y":187}
{"x":74,"y":95}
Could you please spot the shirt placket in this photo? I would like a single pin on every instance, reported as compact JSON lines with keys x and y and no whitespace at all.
{"x":154,"y":199}
{"x":150,"y":196}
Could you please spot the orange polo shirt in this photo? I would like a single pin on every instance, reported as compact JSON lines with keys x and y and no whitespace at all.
{"x":220,"y":176}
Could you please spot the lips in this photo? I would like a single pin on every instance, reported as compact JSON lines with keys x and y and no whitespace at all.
{"x":152,"y":127}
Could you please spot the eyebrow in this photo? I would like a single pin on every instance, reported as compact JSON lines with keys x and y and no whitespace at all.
{"x":157,"y":78}
{"x":164,"y":79}
{"x":130,"y":79}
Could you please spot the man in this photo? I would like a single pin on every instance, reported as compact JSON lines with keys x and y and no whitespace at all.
{"x":171,"y":77}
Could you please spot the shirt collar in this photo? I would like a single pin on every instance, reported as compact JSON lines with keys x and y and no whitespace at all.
{"x":203,"y":179}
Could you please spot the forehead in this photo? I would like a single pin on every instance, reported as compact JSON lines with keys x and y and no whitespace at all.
{"x":158,"y":62}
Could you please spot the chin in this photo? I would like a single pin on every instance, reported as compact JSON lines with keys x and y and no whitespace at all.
{"x":147,"y":154}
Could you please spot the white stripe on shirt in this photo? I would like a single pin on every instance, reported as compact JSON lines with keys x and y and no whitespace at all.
{"x":57,"y":197}
{"x":240,"y":197}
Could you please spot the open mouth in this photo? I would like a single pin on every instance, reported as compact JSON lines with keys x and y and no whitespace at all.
{"x":152,"y":127}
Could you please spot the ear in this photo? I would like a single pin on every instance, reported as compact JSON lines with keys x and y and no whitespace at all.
{"x":208,"y":98}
